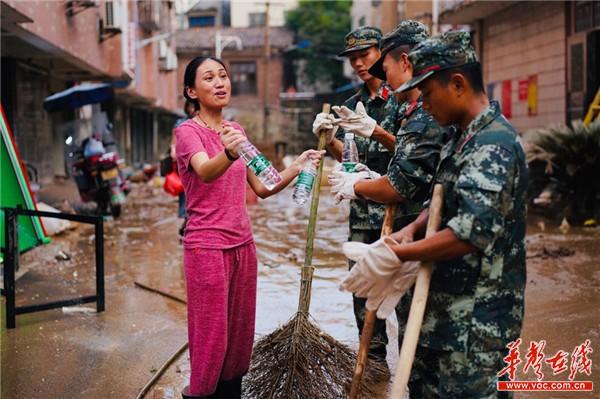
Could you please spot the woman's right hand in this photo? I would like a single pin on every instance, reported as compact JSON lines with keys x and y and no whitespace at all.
{"x":231,"y":139}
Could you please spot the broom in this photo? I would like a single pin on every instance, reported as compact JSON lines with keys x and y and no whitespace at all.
{"x":298,"y":360}
{"x":419,"y":301}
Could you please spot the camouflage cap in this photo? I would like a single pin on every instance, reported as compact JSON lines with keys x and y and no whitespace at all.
{"x":408,"y":32}
{"x":361,"y":38}
{"x":449,"y":50}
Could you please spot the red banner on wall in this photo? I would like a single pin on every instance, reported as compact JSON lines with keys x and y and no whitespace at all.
{"x":523,"y":89}
{"x":506,"y":99}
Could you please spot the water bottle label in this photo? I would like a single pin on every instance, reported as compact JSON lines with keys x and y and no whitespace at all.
{"x":349,"y":166}
{"x":258,"y":164}
{"x":306,"y":179}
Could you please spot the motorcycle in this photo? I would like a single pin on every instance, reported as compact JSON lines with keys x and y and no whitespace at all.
{"x":98,"y":176}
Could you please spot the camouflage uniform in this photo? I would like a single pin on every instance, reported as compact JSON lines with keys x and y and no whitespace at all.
{"x":411,"y":170}
{"x":419,"y":137}
{"x":475,"y":303}
{"x":418,"y":144}
{"x":366,"y":217}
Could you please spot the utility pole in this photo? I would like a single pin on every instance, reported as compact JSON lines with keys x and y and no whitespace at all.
{"x":435,"y":17}
{"x":266,"y":74}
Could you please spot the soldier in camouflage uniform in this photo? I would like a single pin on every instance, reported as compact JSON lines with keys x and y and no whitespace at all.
{"x":374,"y":149}
{"x":418,"y":141}
{"x":475,"y":303}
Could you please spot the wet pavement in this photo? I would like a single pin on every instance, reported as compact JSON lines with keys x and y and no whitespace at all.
{"x":57,"y":354}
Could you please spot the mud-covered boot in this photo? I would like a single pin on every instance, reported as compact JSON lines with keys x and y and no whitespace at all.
{"x":231,"y":389}
{"x":185,"y":394}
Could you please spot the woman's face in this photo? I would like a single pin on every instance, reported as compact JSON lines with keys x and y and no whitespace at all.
{"x":212,"y":87}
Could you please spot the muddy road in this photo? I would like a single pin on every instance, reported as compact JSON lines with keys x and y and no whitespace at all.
{"x":58,"y":354}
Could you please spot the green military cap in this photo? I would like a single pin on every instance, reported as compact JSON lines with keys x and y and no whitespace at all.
{"x":408,"y":32}
{"x":449,"y":50}
{"x":361,"y":38}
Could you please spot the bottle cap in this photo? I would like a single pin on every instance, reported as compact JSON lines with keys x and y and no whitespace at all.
{"x":349,"y":136}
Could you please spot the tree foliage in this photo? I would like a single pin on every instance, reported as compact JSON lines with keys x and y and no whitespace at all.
{"x":571,"y":159}
{"x":322,"y":24}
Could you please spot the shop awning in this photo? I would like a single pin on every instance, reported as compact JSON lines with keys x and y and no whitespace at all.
{"x":78,"y":96}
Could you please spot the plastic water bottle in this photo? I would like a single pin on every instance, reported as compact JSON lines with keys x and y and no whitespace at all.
{"x":305,"y":183}
{"x":349,"y":153}
{"x":259,"y":165}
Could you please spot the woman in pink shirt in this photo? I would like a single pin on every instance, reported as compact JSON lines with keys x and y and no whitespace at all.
{"x":219,"y":253}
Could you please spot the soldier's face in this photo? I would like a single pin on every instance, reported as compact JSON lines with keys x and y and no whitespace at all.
{"x":438,"y":101}
{"x":397,"y":72}
{"x":362,"y":60}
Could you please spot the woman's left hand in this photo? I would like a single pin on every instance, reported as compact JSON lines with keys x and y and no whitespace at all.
{"x":314,"y":155}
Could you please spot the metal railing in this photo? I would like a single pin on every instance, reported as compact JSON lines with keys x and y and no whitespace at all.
{"x":11,"y":262}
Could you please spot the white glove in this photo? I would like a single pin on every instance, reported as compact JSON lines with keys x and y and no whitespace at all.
{"x":342,"y":184}
{"x":361,"y":167}
{"x":378,"y":275}
{"x":357,"y":121}
{"x":325,"y":123}
{"x":401,"y":282}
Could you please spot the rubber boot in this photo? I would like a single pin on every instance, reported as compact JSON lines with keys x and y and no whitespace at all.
{"x":185,"y":395}
{"x":231,"y":389}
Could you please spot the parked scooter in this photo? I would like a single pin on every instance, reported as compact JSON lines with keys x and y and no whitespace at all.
{"x":97,"y":175}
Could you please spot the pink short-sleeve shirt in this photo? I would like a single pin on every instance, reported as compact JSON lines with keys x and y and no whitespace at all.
{"x":217,"y":215}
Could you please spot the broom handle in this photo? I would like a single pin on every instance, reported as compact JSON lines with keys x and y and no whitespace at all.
{"x":307,"y":269}
{"x":419,"y":301}
{"x":366,"y":334}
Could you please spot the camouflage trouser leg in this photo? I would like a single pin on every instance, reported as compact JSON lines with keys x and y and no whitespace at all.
{"x":380,"y":338}
{"x":456,"y":375}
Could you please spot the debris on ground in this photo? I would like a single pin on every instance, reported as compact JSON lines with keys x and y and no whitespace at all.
{"x":78,"y":309}
{"x":62,"y":256}
{"x":564,"y":226}
{"x":558,"y":252}
{"x":51,"y":225}
{"x":541,"y":225}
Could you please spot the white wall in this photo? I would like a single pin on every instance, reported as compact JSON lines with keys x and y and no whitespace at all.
{"x":182,"y":6}
{"x":240,"y":10}
{"x":364,"y":9}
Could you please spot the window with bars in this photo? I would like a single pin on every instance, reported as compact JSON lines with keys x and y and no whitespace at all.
{"x":243,"y":77}
{"x":586,"y":15}
{"x":577,"y":67}
{"x":257,"y":19}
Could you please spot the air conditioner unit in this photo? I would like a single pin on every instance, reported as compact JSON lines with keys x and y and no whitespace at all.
{"x":112,"y":16}
{"x":169,"y":63}
{"x":163,"y":49}
{"x":171,"y":60}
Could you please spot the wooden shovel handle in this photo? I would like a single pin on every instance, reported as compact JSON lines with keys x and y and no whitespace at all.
{"x":419,"y":301}
{"x":370,"y":316}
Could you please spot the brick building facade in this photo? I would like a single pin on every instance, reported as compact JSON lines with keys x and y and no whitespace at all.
{"x":540,"y":59}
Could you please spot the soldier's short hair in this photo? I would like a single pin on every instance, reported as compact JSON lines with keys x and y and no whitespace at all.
{"x":472,"y":72}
